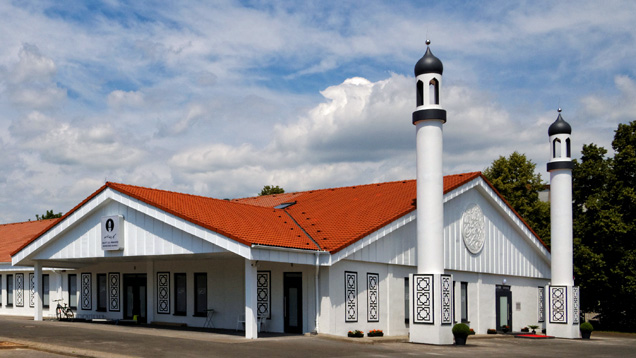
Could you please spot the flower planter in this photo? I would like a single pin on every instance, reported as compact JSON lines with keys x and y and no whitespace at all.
{"x":460,"y":340}
{"x":586,"y":335}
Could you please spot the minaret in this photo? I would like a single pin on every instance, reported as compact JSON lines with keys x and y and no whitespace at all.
{"x":430,"y":290}
{"x":563,"y":296}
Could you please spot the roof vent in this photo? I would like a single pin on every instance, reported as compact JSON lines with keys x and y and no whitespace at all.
{"x":284,"y":205}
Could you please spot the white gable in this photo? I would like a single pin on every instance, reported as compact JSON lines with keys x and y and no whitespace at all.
{"x":510,"y":248}
{"x":147,"y":231}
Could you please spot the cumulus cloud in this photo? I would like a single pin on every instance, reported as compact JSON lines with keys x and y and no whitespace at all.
{"x":31,"y":82}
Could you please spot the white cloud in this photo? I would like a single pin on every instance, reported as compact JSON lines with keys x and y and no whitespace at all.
{"x":118,"y":99}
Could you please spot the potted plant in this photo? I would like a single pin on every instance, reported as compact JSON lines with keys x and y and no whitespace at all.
{"x":491,"y":331}
{"x":505,"y":329}
{"x":586,"y":329}
{"x":356,"y":333}
{"x":525,"y":329}
{"x":375,"y":333}
{"x":461,"y":332}
{"x":534,"y":328}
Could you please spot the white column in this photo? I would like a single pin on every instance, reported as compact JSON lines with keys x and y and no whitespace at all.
{"x":561,"y":226}
{"x":251,"y":323}
{"x":151,"y":297}
{"x":430,"y":197}
{"x":37,"y":272}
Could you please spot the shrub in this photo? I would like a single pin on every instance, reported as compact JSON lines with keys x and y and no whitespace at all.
{"x":491,"y":331}
{"x":461,"y":329}
{"x":525,"y":329}
{"x":472,"y":332}
{"x":586,"y":327}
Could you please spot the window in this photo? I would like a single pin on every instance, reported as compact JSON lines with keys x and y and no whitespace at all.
{"x":556,"y":148}
{"x":433,"y":92}
{"x":9,"y":290}
{"x":45,"y":291}
{"x":180,"y":303}
{"x":464,"y":299}
{"x":567,"y":148}
{"x":406,"y":300}
{"x":200,"y":294}
{"x":420,"y":93}
{"x":72,"y":290}
{"x":102,"y":291}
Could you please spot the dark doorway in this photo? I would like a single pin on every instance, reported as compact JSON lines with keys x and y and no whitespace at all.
{"x":135,"y":297}
{"x":293,"y":301}
{"x":503,"y":307}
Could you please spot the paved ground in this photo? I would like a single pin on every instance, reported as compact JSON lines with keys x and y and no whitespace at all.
{"x":51,"y":339}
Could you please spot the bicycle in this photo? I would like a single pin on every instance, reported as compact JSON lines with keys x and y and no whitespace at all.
{"x":63,"y":310}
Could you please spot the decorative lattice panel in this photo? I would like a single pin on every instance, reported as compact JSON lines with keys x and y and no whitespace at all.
{"x":447,"y":299}
{"x":541,"y":304}
{"x":423,"y":299}
{"x":87,"y":296}
{"x":31,"y":290}
{"x":373,"y":297}
{"x":263,"y":289}
{"x":351,"y":296}
{"x":575,"y":304}
{"x":558,"y":304}
{"x":113,"y":292}
{"x":163,"y":292}
{"x":19,"y":290}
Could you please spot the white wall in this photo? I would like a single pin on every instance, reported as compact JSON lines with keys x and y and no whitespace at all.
{"x":27,"y":309}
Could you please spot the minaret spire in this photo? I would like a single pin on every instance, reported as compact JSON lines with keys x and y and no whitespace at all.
{"x":563,"y":296}
{"x":430,"y":281}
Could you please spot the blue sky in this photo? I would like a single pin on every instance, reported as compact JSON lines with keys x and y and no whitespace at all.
{"x":220,"y":98}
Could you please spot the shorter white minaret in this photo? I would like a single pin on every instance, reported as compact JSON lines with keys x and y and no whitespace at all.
{"x":431,"y":293}
{"x":563,"y":297}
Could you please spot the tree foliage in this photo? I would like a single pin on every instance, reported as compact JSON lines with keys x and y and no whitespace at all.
{"x":605,"y":229}
{"x":270,"y":189}
{"x":49,"y":215}
{"x":515,"y":179}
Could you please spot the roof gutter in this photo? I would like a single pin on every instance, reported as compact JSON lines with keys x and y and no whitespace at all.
{"x":289,"y":249}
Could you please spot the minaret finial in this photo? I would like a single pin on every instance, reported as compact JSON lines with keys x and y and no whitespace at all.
{"x":559,"y":110}
{"x":428,"y":42}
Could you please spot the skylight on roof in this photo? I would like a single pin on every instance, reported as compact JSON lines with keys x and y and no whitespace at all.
{"x":284,"y":205}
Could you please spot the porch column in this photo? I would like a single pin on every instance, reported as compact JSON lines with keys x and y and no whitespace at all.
{"x":251,"y":325}
{"x":151,"y":297}
{"x":37,"y":268}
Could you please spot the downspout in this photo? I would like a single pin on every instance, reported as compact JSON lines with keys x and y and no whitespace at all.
{"x":317,"y":292}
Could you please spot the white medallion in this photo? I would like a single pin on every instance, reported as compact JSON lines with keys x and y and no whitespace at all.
{"x":473,"y":228}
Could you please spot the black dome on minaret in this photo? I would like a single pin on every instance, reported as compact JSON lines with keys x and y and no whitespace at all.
{"x":560,"y":126}
{"x":428,"y":64}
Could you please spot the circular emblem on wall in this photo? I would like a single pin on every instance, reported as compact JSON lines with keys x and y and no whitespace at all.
{"x":473,"y":228}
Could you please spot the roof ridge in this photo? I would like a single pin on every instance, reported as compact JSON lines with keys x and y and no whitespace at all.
{"x":28,"y":222}
{"x":475,"y":173}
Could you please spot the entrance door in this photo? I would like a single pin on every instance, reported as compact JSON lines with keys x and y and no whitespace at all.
{"x":504,"y":307}
{"x":293,"y":301}
{"x":135,"y":297}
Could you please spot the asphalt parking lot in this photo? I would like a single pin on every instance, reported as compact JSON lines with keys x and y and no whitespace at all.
{"x":23,"y":337}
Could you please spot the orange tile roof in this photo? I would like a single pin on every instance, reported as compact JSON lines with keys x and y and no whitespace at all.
{"x":13,"y":236}
{"x":325,"y":219}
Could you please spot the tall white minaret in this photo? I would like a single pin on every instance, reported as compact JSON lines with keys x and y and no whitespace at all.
{"x":563,"y":297}
{"x":430,"y":290}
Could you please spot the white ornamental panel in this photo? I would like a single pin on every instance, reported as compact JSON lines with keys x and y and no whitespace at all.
{"x":113,"y":292}
{"x":87,"y":292}
{"x":163,"y":292}
{"x":447,"y":299}
{"x":473,"y":229}
{"x":423,"y":299}
{"x":558,"y":304}
{"x":351,"y":296}
{"x":373,"y":297}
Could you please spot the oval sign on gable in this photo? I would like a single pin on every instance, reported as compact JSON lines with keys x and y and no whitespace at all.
{"x":473,"y":230}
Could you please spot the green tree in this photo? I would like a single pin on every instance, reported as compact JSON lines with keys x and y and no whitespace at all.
{"x":515,"y":179}
{"x":49,"y":215}
{"x":270,"y":189}
{"x":605,"y":227}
